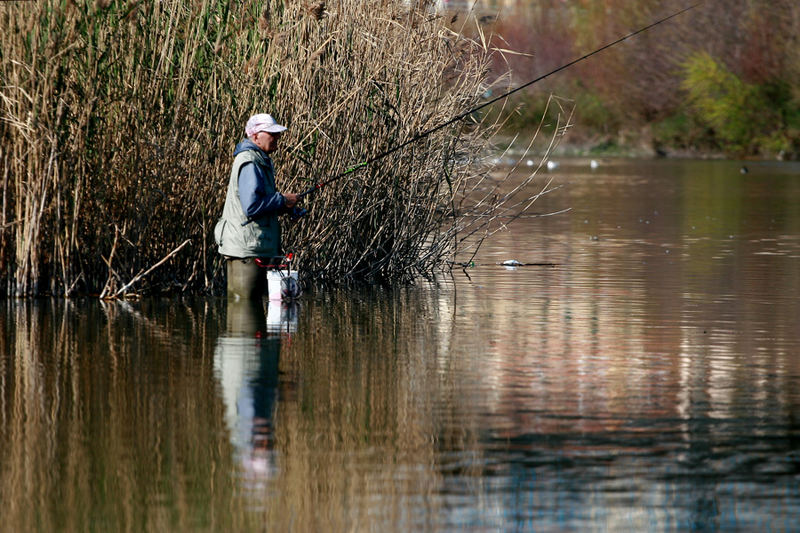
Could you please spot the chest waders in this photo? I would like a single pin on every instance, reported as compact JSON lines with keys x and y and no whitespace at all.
{"x":246,"y":280}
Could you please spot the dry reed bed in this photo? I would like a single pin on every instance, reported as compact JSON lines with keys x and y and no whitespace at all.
{"x":119,"y":119}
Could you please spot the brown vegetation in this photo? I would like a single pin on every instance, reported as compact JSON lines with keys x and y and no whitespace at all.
{"x":119,"y":119}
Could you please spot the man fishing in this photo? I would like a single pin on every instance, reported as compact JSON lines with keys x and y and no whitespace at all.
{"x":249,"y":230}
{"x":249,"y":234}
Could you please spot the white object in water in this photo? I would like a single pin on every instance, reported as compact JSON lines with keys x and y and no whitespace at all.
{"x":282,"y":316}
{"x":282,"y":284}
{"x":552,"y":165}
{"x":529,"y":162}
{"x":593,"y":163}
{"x":511,"y":263}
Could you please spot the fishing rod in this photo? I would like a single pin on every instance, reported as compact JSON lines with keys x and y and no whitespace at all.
{"x":318,"y":186}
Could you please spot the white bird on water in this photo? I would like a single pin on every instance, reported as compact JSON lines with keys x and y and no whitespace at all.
{"x":594,"y":164}
{"x":552,"y":165}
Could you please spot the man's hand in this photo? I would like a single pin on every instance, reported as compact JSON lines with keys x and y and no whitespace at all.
{"x":291,"y":199}
{"x":297,"y":213}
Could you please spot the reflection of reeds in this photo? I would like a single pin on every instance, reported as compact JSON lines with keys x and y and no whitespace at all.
{"x":118,"y":121}
{"x":361,"y":437}
{"x":112,"y":415}
{"x":102,"y":432}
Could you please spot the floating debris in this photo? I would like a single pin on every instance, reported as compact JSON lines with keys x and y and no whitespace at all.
{"x":512,"y":264}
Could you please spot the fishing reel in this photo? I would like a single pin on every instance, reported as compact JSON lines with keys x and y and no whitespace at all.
{"x":297,"y":213}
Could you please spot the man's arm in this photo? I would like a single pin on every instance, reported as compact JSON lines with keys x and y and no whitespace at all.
{"x":253,"y":197}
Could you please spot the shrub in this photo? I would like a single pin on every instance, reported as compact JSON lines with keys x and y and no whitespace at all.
{"x":738,"y":112}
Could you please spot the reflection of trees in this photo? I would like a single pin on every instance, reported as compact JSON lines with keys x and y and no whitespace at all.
{"x":661,"y":353}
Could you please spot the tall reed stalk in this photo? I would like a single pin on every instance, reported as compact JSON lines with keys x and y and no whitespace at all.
{"x":119,"y":119}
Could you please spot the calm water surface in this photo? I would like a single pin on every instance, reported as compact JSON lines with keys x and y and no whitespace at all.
{"x":648,"y":381}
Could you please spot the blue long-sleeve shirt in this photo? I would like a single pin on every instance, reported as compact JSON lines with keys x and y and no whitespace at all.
{"x":254,"y":187}
{"x":256,"y":202}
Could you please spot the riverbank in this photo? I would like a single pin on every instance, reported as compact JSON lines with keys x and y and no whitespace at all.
{"x":625,"y":144}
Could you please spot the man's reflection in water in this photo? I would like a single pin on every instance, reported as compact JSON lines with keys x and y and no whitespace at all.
{"x":246,"y":363}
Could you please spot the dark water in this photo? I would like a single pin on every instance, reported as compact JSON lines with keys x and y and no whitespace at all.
{"x":649,"y":381}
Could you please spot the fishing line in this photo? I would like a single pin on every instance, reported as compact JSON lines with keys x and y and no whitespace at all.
{"x":318,"y":186}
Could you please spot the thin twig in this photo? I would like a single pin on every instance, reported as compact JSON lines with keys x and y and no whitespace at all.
{"x":142,"y":274}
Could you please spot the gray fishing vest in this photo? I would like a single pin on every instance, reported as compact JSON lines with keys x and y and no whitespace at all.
{"x":235,"y":236}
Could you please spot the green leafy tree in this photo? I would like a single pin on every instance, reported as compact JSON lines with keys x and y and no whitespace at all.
{"x":739,"y":113}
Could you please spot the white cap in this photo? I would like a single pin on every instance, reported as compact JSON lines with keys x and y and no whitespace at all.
{"x":262,"y":122}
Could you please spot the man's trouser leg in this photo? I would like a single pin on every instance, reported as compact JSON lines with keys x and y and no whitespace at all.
{"x":246,"y":280}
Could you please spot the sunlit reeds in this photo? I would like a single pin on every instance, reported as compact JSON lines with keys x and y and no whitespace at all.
{"x":119,"y":119}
